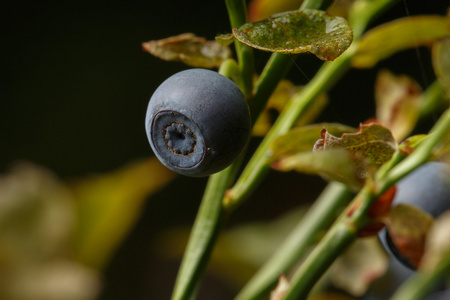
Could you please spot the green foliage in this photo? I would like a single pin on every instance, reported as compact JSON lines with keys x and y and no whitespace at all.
{"x":94,"y":214}
{"x":313,"y":31}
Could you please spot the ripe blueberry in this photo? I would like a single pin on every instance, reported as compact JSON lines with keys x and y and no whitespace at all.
{"x":428,"y":188}
{"x":197,"y":122}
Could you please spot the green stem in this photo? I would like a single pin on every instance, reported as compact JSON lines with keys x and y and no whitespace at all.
{"x":275,"y":69}
{"x":420,"y":285}
{"x":208,"y":223}
{"x":230,"y":69}
{"x":432,"y":99}
{"x":328,"y":74}
{"x":238,"y":14}
{"x":323,"y":212}
{"x":205,"y":230}
{"x":422,"y":154}
{"x":258,"y":166}
{"x":355,"y":218}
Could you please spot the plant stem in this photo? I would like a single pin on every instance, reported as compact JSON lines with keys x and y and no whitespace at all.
{"x":258,"y":166}
{"x":323,"y":212}
{"x":354,"y":218}
{"x":276,"y":68}
{"x":238,"y":14}
{"x":420,"y":285}
{"x":327,"y":75}
{"x":230,"y":69}
{"x":432,"y":99}
{"x":206,"y":227}
{"x":419,"y":156}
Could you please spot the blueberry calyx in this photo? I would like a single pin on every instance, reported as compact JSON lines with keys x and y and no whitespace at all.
{"x":180,"y":140}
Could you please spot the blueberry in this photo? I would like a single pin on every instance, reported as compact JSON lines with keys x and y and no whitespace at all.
{"x":428,"y":188}
{"x":197,"y":122}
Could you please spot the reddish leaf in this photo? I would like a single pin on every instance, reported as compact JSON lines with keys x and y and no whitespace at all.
{"x":379,"y":209}
{"x":408,"y":227}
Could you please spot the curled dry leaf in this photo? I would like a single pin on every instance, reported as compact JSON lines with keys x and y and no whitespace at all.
{"x":408,"y":227}
{"x":397,"y":103}
{"x":303,"y":138}
{"x":347,"y":159}
{"x":372,"y":142}
{"x":190,"y":49}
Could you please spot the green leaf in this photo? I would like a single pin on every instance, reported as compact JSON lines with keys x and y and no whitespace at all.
{"x":313,"y":31}
{"x":225,"y":39}
{"x":333,"y":164}
{"x":397,"y":103}
{"x":441,"y":63}
{"x":372,"y":141}
{"x":389,"y":38}
{"x":408,"y":227}
{"x":189,"y":49}
{"x":110,"y":204}
{"x":303,"y":138}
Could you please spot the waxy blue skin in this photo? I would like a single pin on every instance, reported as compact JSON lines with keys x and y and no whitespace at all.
{"x":197,"y":122}
{"x":428,"y":188}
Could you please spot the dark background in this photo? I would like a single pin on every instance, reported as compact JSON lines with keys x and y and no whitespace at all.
{"x":75,"y":84}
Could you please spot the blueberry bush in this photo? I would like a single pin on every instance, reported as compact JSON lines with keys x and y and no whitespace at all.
{"x":363,"y":165}
{"x":377,"y":230}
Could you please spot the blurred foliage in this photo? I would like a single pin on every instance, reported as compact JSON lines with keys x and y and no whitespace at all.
{"x":408,"y":227}
{"x":441,"y":62}
{"x":37,"y":220}
{"x":240,"y":250}
{"x":389,"y":38}
{"x":55,"y":236}
{"x":397,"y":103}
{"x":108,"y":206}
{"x":360,"y":265}
{"x":350,"y":158}
{"x":283,"y":94}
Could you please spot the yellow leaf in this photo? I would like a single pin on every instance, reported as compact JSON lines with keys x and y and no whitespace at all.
{"x":389,"y":38}
{"x":110,"y":204}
